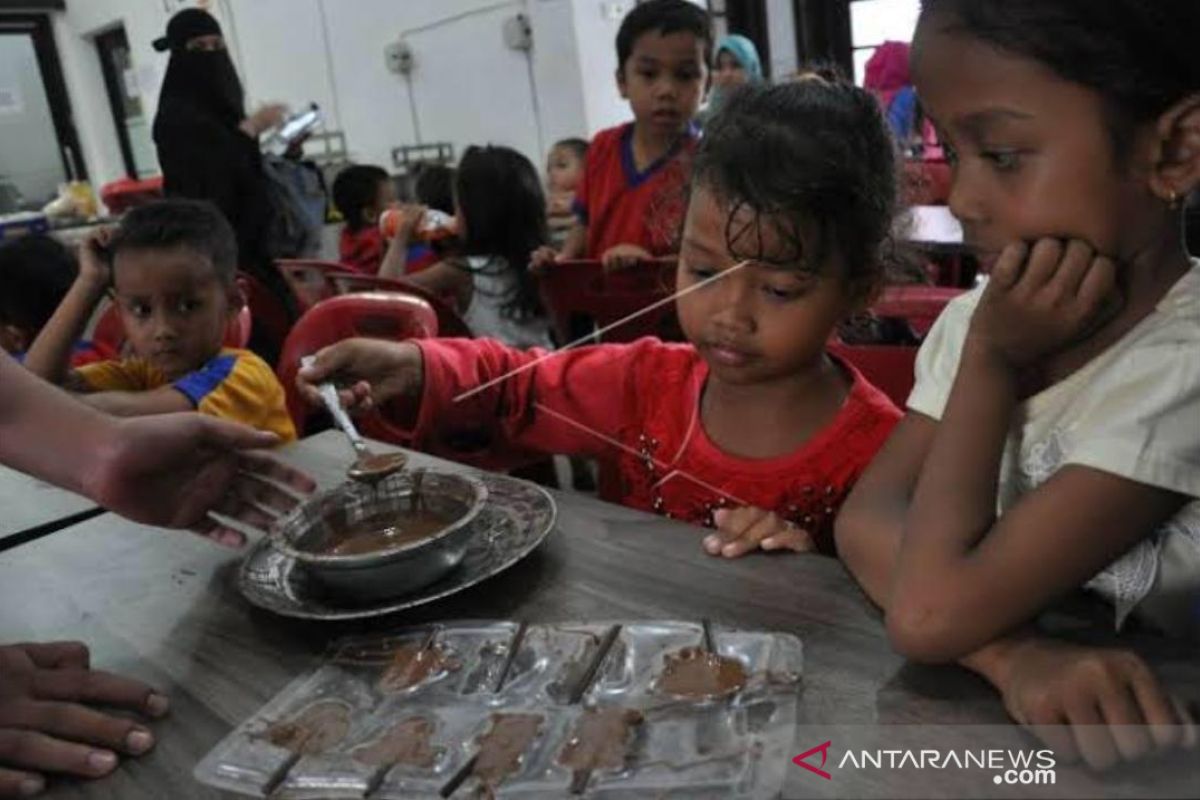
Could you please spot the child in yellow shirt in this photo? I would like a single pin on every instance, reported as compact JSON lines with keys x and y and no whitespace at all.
{"x":170,"y":267}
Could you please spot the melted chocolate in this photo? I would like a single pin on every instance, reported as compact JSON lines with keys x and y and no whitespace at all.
{"x":384,"y":532}
{"x":600,"y":739}
{"x":407,"y":742}
{"x":413,"y":664}
{"x":694,"y":672}
{"x":503,"y":746}
{"x":314,"y":730}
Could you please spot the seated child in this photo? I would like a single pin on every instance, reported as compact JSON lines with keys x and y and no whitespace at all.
{"x":751,"y":425}
{"x":35,"y":273}
{"x":564,"y":168}
{"x":360,"y":193}
{"x":1052,"y":440}
{"x":631,"y":198}
{"x":171,"y":268}
{"x":501,"y":217}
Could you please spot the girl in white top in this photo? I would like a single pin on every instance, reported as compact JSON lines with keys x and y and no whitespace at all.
{"x":501,"y":219}
{"x":1053,"y":437}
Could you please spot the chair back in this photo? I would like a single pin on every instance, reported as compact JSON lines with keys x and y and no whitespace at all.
{"x":888,"y":366}
{"x":450,"y":324}
{"x":582,"y":288}
{"x":309,"y":279}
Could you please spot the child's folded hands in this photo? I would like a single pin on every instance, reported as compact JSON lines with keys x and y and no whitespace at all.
{"x":741,"y":530}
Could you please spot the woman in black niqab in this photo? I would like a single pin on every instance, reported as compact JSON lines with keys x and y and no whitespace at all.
{"x":208,"y":147}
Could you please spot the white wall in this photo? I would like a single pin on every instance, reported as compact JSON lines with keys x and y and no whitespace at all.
{"x":467,"y":86}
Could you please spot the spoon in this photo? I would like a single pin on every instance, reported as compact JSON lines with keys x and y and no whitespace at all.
{"x":369,"y":466}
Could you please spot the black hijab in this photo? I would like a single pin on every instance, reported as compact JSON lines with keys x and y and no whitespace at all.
{"x":202,"y":79}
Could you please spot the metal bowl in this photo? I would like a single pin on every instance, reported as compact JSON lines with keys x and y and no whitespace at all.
{"x":391,"y":571}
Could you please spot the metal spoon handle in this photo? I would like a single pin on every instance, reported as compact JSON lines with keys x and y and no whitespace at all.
{"x":330,"y":396}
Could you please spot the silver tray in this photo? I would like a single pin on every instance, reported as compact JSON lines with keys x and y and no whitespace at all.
{"x":736,"y":746}
{"x":517,"y":517}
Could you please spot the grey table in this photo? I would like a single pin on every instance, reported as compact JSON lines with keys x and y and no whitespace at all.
{"x":162,"y":606}
{"x":29,"y":507}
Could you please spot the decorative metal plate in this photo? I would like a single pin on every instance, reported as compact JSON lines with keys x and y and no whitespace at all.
{"x":517,"y":517}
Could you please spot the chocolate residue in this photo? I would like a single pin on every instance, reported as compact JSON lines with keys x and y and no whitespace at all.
{"x":694,"y":672}
{"x":404,"y":743}
{"x":413,"y":664}
{"x":381,"y":462}
{"x":383,"y":531}
{"x":314,"y":730}
{"x":503,"y":746}
{"x":600,"y":739}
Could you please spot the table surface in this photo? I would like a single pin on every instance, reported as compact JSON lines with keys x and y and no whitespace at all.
{"x":27,"y":503}
{"x":163,"y":606}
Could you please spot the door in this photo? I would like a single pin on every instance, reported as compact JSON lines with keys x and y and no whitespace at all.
{"x":125,"y":100}
{"x":39,"y":148}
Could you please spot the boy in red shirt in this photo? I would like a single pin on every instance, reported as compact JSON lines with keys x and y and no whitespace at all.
{"x":360,"y":193}
{"x":630,"y":202}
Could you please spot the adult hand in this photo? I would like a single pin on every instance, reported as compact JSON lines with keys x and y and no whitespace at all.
{"x":741,"y":530}
{"x":48,"y":722}
{"x":372,"y":370}
{"x":1042,"y":298}
{"x":264,"y":118}
{"x":1100,"y":705}
{"x":170,"y":469}
{"x":624,"y":256}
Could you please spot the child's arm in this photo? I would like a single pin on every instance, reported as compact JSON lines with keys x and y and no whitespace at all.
{"x":49,"y":356}
{"x":964,"y":577}
{"x":396,"y":255}
{"x":1053,"y":687}
{"x":164,"y":400}
{"x":566,"y":403}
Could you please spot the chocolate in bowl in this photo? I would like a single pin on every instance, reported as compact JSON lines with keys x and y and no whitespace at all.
{"x":366,"y":542}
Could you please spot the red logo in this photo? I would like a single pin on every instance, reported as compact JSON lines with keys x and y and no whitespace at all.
{"x":824,"y":749}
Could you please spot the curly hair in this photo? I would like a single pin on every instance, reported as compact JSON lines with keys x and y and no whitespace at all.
{"x":809,"y":155}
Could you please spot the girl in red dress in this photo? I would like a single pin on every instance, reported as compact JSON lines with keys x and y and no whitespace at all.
{"x":750,"y":427}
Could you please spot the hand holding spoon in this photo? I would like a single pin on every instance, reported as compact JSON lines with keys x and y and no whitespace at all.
{"x":369,"y":466}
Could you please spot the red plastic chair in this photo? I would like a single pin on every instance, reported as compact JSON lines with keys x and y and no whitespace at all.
{"x":918,"y":305}
{"x":450,"y":324}
{"x":376,"y":315}
{"x":310,"y":280}
{"x":266,"y":308}
{"x":571,"y":289}
{"x":109,"y":333}
{"x":888,"y":366}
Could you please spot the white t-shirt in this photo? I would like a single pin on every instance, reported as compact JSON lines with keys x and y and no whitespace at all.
{"x":1133,"y":411}
{"x":492,"y":285}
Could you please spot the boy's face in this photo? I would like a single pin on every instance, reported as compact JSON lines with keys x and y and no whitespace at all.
{"x":174,"y":307}
{"x":664,"y":79}
{"x":385,"y":196}
{"x":563,"y":169}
